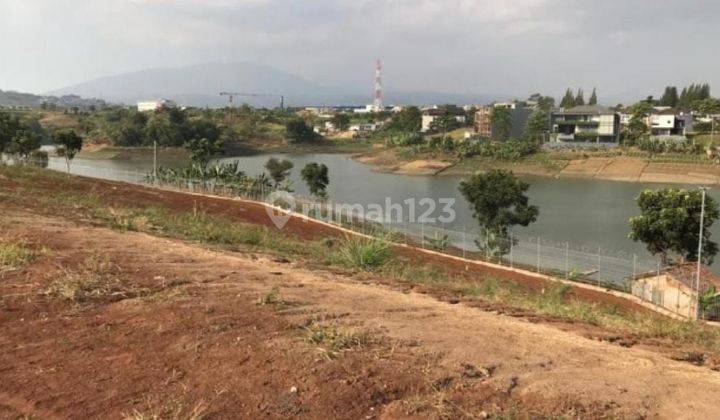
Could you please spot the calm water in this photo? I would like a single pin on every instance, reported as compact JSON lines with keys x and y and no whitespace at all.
{"x":589,"y":214}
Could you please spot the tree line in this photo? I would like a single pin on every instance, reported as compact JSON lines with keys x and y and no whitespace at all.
{"x":570,"y":99}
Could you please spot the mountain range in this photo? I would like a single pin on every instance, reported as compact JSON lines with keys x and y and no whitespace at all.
{"x":200,"y":85}
{"x":10,"y":98}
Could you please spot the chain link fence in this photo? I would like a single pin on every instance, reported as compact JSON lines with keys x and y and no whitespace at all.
{"x":600,"y":267}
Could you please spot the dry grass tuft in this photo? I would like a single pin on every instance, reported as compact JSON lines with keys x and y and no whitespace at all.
{"x":14,"y":254}
{"x":94,"y":279}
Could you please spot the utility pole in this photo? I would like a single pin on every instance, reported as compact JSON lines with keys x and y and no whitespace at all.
{"x":700,"y":242}
{"x":154,"y":161}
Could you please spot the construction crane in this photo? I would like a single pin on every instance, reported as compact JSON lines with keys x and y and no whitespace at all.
{"x":231,"y":96}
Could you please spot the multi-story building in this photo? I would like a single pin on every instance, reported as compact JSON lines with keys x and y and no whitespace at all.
{"x":519,"y":116}
{"x":483,"y":126}
{"x":587,"y":123}
{"x":670,"y":123}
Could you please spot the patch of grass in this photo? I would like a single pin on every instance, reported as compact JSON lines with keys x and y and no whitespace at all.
{"x":413,"y":273}
{"x":364,"y":253}
{"x":94,"y":279}
{"x":14,"y":254}
{"x":334,"y":338}
{"x":271,"y":298}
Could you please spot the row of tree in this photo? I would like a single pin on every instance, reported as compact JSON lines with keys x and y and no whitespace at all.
{"x":687,"y":97}
{"x":570,"y":100}
{"x":315,"y":176}
{"x":23,"y":138}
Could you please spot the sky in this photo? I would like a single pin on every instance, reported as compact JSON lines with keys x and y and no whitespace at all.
{"x":627,"y":49}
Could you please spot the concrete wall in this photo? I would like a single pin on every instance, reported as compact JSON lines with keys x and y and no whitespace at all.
{"x":666,"y":292}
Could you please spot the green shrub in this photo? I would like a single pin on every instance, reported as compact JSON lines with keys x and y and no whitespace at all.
{"x":365,"y":253}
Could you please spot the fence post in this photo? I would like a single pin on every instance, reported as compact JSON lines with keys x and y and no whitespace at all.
{"x":634,"y":266}
{"x":512,"y":241}
{"x":487,"y":245}
{"x":538,"y":254}
{"x":567,"y":262}
{"x":599,"y":256}
{"x":422,"y":234}
{"x":464,"y":243}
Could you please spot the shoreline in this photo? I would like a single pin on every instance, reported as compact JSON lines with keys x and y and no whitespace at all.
{"x":615,"y":168}
{"x":618,"y":168}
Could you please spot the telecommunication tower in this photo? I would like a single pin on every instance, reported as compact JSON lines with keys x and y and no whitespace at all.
{"x":378,"y":102}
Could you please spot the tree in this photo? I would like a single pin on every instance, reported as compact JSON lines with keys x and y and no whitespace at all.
{"x":498,"y":201}
{"x":409,"y":119}
{"x":444,"y":123}
{"x":669,"y":221}
{"x":341,"y":121}
{"x":23,"y":143}
{"x":9,"y":126}
{"x":706,"y":106}
{"x":69,"y":144}
{"x":670,"y":97}
{"x":316,"y":177}
{"x":501,"y":122}
{"x":568,"y":101}
{"x":579,"y":98}
{"x":537,"y":125}
{"x":637,"y":128}
{"x":692,"y":93}
{"x":279,"y":169}
{"x":546,"y":103}
{"x":202,"y":150}
{"x":593,"y":98}
{"x":298,"y":130}
{"x":470,"y":116}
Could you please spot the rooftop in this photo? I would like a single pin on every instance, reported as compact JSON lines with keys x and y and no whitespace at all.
{"x":686,"y":274}
{"x":587,"y":110}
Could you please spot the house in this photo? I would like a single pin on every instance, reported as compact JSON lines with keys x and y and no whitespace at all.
{"x":674,"y":288}
{"x":519,"y":116}
{"x":669,"y":123}
{"x":586,"y":123}
{"x":430,"y":114}
{"x":154,"y":105}
{"x":365,"y":127}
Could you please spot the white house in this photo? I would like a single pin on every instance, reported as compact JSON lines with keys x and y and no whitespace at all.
{"x":586,"y":123}
{"x":154,"y":105}
{"x":430,"y":114}
{"x":365,"y":127}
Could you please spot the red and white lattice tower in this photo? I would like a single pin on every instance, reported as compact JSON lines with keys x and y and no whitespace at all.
{"x":378,"y":102}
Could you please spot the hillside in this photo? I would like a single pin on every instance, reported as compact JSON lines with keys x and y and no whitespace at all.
{"x":196,"y":85}
{"x":14,"y":99}
{"x":130,"y":304}
{"x":199,"y":85}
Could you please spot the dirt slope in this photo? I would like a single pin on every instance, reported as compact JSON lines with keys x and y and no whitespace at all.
{"x":184,"y":334}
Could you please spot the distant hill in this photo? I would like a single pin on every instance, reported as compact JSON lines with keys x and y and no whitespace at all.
{"x":28,"y":100}
{"x":199,"y":85}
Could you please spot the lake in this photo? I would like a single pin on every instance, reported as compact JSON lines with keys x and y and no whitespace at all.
{"x":590,"y":215}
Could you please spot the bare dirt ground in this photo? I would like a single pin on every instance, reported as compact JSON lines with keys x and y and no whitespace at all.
{"x":182,"y":332}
